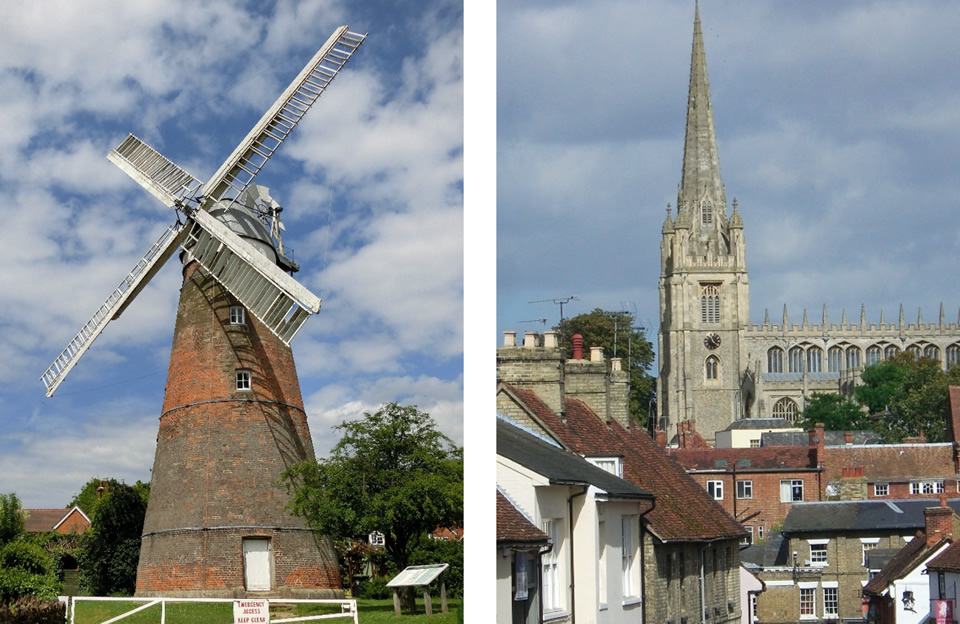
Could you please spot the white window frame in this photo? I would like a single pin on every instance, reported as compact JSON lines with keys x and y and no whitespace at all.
{"x":550,"y":568}
{"x":715,"y":488}
{"x":808,"y":590}
{"x":822,"y":557}
{"x":881,"y":489}
{"x":868,"y":544}
{"x":931,"y":486}
{"x":744,"y":489}
{"x":377,"y":538}
{"x":788,"y":490}
{"x":238,"y":315}
{"x":759,"y":532}
{"x":831,"y":606}
{"x":613,"y":465}
{"x":244,"y":382}
{"x":749,"y":538}
{"x":629,"y":555}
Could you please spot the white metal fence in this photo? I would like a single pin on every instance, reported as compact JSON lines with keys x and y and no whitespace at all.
{"x":348,"y":608}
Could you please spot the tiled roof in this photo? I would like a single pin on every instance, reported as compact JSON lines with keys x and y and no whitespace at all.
{"x":786,"y":458}
{"x":949,"y":559}
{"x":830,"y":438}
{"x":891,"y":462}
{"x":561,"y":466}
{"x":909,"y":557}
{"x":889,"y":515}
{"x":513,"y":526}
{"x":39,"y":520}
{"x":760,"y":423}
{"x":683,"y":512}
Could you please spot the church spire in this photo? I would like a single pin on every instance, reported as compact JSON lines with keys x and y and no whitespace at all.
{"x":701,"y":179}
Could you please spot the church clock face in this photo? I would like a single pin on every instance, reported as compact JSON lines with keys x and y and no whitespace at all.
{"x":712,"y":341}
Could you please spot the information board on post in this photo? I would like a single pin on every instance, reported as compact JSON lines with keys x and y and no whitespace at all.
{"x":251,"y":611}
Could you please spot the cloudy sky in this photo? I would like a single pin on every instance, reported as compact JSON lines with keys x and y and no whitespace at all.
{"x":838,"y":130}
{"x":371,"y":182}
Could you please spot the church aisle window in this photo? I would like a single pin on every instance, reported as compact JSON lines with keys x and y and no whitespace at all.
{"x":814,"y":360}
{"x":890,"y":352}
{"x":795,"y":360}
{"x":834,"y":359}
{"x":932,"y":352}
{"x":786,"y":408}
{"x":953,"y":355}
{"x":775,"y":360}
{"x":914,"y":350}
{"x":874,"y":355}
{"x":853,"y":357}
{"x":710,"y":303}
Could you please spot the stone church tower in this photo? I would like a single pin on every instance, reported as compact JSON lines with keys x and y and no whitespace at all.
{"x":716,"y":367}
{"x":704,"y":291}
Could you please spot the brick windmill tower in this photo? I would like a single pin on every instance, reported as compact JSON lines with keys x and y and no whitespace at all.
{"x":233,"y":417}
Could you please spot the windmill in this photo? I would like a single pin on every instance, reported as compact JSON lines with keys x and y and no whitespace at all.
{"x":233,"y":416}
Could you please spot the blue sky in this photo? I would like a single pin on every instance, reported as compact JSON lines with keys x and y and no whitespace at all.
{"x":371,"y":182}
{"x":838,"y":132}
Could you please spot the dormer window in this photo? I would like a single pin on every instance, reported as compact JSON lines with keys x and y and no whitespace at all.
{"x":613,"y":465}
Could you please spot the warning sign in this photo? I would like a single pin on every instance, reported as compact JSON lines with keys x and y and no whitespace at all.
{"x":251,"y":612}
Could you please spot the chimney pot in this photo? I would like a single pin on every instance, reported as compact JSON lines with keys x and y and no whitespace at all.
{"x":509,"y":338}
{"x":529,"y":340}
{"x":550,"y":339}
{"x":577,"y":347}
{"x":615,"y":364}
{"x":596,"y":354}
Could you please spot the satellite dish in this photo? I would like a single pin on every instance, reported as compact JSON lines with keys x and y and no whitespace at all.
{"x":280,"y":302}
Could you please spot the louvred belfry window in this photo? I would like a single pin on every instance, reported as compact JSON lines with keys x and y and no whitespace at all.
{"x":709,"y":303}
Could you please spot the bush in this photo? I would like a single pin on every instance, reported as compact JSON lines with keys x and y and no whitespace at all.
{"x":31,"y":610}
{"x":25,"y":556}
{"x":375,"y":589}
{"x":16,"y":583}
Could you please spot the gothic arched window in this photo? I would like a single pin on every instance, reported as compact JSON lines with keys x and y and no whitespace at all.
{"x":914,"y":350}
{"x":706,"y":212}
{"x":786,"y":408}
{"x":712,"y":367}
{"x":891,"y":352}
{"x":874,"y":355}
{"x":953,"y":355}
{"x":853,"y":357}
{"x":775,"y":360}
{"x":814,"y":359}
{"x":932,"y":352}
{"x":834,"y":359}
{"x":795,"y":360}
{"x":710,"y":303}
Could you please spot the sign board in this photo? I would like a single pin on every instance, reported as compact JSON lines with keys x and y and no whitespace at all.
{"x":251,"y":611}
{"x":943,"y":611}
{"x":417,"y":575}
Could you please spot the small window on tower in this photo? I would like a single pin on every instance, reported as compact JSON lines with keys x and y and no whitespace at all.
{"x":243,"y":381}
{"x":237,"y":315}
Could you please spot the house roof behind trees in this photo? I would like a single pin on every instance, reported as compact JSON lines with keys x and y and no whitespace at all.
{"x":71,"y":520}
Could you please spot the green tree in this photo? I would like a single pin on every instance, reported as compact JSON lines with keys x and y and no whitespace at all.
{"x":836,"y":412}
{"x":392,"y":471}
{"x":93,"y":491}
{"x":11,"y":518}
{"x":111,"y":547}
{"x":615,"y":332}
{"x":907,"y":397}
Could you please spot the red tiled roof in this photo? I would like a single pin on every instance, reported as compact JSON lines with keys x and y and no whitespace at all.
{"x":513,"y":526}
{"x":949,"y":559}
{"x":683,"y":510}
{"x":40,"y":520}
{"x":890,"y":462}
{"x":902,"y":563}
{"x":787,"y":458}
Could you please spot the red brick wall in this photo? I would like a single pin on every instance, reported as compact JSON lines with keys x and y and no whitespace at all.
{"x":766,"y":495}
{"x":75,"y":523}
{"x":220,"y":456}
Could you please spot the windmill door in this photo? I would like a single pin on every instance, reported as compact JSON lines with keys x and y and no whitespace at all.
{"x":256,"y":564}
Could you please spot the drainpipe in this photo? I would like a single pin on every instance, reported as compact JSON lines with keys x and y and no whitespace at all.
{"x":643,"y":564}
{"x":703,"y":584}
{"x":573,"y":593}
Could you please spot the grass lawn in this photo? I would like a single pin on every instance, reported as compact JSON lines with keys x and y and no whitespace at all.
{"x":370,"y":611}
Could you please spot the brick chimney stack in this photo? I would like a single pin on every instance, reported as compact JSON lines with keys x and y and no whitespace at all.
{"x":940,"y":522}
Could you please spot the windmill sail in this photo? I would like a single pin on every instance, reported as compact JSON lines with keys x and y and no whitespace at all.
{"x":165,"y":180}
{"x":238,"y":171}
{"x":272,"y":296}
{"x":115,"y":304}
